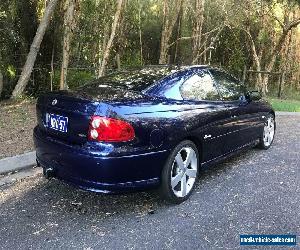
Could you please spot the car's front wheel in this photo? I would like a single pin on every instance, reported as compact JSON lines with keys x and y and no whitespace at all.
{"x":268,"y":133}
{"x":180,"y":172}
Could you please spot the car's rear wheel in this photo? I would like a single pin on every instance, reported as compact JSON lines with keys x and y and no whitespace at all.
{"x":180,"y":172}
{"x":268,"y":134}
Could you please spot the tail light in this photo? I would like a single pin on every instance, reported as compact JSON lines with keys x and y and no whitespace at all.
{"x":109,"y":130}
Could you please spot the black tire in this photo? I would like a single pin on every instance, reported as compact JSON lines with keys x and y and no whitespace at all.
{"x":166,"y":190}
{"x":262,"y":144}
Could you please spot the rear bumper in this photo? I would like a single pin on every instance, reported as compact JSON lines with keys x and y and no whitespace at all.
{"x":99,"y":174}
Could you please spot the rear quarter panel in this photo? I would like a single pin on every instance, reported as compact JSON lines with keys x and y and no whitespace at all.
{"x":161,"y":124}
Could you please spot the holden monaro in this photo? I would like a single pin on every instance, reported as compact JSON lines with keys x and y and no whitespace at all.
{"x":147,"y":128}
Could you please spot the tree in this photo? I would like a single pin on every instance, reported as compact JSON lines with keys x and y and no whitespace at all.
{"x":1,"y":84}
{"x":69,"y":26}
{"x":34,"y":49}
{"x":108,"y":47}
{"x":140,"y":32}
{"x":286,"y":29}
{"x":267,"y":26}
{"x":171,"y":11}
{"x":256,"y":58}
{"x":198,"y":19}
{"x":259,"y":35}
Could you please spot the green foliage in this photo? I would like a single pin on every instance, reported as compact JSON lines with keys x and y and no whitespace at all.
{"x":232,"y":51}
{"x":41,"y":81}
{"x":285,"y":105}
{"x":130,"y":60}
{"x":76,"y":78}
{"x":288,"y":92}
{"x":11,"y":71}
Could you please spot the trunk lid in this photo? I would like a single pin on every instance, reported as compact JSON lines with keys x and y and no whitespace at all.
{"x":77,"y":107}
{"x":76,"y":110}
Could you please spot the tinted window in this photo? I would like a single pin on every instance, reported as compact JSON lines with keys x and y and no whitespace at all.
{"x":229,"y":87}
{"x":199,"y":87}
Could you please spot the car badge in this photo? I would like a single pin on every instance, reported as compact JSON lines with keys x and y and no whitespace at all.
{"x":54,"y":102}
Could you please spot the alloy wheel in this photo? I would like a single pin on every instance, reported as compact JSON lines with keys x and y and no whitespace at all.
{"x":184,"y":171}
{"x":269,"y":131}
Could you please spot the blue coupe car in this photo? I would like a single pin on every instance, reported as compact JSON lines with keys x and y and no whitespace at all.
{"x":146,"y":128}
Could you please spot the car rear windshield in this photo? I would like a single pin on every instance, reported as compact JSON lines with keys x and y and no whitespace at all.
{"x":135,"y":80}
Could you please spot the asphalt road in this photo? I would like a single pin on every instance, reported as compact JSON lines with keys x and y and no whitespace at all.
{"x":255,"y":192}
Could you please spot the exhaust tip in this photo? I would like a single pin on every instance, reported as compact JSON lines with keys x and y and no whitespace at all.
{"x":48,"y":173}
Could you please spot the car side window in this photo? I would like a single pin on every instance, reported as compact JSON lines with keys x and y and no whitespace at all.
{"x":199,"y":87}
{"x":230,"y":88}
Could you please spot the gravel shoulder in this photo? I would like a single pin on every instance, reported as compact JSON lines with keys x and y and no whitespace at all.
{"x":17,"y":121}
{"x":256,"y":192}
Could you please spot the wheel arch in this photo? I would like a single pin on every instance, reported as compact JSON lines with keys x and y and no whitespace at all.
{"x":272,"y":112}
{"x":198,"y":144}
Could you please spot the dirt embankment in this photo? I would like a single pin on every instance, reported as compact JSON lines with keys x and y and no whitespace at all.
{"x":17,"y":121}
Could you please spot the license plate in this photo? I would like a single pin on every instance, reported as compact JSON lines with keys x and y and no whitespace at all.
{"x":57,"y":122}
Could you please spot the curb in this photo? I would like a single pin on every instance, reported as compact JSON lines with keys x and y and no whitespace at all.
{"x":12,"y":178}
{"x":18,"y":162}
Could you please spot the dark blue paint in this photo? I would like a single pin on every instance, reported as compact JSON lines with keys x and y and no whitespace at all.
{"x":161,"y":119}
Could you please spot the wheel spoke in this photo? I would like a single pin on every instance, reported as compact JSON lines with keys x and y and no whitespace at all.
{"x":189,"y":156}
{"x":183,"y":186}
{"x":184,"y":172}
{"x":179,"y":161}
{"x":191,"y":173}
{"x":269,"y":138}
{"x":267,"y":132}
{"x":175,"y":180}
{"x":269,"y":123}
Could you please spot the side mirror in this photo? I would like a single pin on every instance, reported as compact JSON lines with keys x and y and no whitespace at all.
{"x":253,"y":95}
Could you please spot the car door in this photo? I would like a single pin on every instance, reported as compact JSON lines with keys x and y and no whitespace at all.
{"x":243,"y":116}
{"x":210,"y":113}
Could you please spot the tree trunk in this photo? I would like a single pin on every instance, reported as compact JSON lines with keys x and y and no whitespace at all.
{"x":256,"y":60}
{"x":281,"y":85}
{"x":244,"y":75}
{"x":163,"y":43}
{"x":52,"y":70}
{"x":205,"y":55}
{"x":197,"y":29}
{"x":111,"y":39}
{"x":140,"y":34}
{"x":277,"y":50}
{"x":34,"y":49}
{"x":102,"y":45}
{"x":1,"y":84}
{"x":213,"y":40}
{"x":178,"y":25}
{"x":118,"y":60}
{"x":169,"y":20}
{"x":69,"y":26}
{"x":286,"y":57}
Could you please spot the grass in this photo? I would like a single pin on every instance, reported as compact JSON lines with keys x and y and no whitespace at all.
{"x":285,"y":105}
